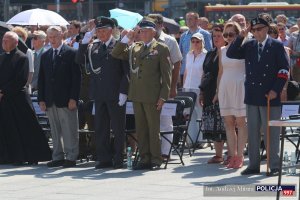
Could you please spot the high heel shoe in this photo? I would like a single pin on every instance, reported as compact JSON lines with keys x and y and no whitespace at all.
{"x":239,"y":162}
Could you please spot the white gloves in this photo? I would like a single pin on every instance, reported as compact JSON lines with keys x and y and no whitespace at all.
{"x":122,"y":99}
{"x":88,"y":36}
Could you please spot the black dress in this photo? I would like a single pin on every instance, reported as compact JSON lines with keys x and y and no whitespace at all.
{"x":21,"y":137}
{"x":212,"y":121}
{"x":210,"y":70}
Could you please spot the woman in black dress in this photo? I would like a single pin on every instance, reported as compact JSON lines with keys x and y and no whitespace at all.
{"x":209,"y":84}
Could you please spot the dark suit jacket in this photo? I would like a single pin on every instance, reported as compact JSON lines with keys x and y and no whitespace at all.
{"x":59,"y":80}
{"x":270,"y":72}
{"x":114,"y":76}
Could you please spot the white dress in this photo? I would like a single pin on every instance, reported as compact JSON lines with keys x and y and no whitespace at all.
{"x":231,"y":87}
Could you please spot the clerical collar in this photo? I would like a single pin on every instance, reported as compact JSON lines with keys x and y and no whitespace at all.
{"x":11,"y":52}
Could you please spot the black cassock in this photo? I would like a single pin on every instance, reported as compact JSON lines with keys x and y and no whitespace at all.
{"x":21,"y":137}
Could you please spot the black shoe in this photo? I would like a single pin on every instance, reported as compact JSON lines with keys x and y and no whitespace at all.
{"x":55,"y":163}
{"x":155,"y":167}
{"x":33,"y":163}
{"x":69,"y":163}
{"x":102,"y":165}
{"x":142,"y":166}
{"x":18,"y":164}
{"x":273,"y":172}
{"x":249,"y":171}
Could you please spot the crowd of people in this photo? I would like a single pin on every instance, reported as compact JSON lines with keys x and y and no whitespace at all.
{"x":234,"y":68}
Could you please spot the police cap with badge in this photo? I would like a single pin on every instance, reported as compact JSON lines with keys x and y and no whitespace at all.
{"x":260,"y":20}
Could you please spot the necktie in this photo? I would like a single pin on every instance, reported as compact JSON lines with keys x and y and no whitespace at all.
{"x":104,"y":46}
{"x":35,"y":60}
{"x":260,"y":49}
{"x":55,"y":54}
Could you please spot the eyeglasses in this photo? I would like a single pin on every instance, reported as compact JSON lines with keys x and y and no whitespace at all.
{"x":253,"y":30}
{"x":195,"y":41}
{"x":230,"y":34}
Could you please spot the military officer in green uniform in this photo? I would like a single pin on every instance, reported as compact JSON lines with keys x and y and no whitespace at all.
{"x":149,"y":87}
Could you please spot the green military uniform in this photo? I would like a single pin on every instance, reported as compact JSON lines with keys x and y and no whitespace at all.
{"x":150,"y":80}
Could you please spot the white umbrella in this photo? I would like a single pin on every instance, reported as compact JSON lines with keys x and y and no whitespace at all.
{"x":37,"y":17}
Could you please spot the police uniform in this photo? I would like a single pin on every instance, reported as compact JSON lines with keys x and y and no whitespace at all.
{"x":150,"y":80}
{"x":264,"y":72}
{"x":109,"y":79}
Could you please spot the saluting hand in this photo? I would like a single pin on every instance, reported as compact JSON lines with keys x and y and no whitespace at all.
{"x":272,"y":94}
{"x":72,"y":105}
{"x":244,"y":32}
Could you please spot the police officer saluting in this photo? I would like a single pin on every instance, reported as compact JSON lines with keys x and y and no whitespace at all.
{"x":108,"y":87}
{"x":150,"y":81}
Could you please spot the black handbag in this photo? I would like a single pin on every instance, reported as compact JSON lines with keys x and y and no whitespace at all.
{"x":213,"y":125}
{"x":205,"y":81}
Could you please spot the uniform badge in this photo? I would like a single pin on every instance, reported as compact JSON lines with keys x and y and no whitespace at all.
{"x":284,"y":74}
{"x":153,"y":52}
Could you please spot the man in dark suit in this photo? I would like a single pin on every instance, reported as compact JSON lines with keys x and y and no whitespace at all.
{"x":109,"y":88}
{"x":266,"y":74}
{"x":58,"y":93}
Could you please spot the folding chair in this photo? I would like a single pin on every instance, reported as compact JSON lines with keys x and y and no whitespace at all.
{"x":178,"y":120}
{"x":182,"y":130}
{"x":41,"y":116}
{"x":130,"y":131}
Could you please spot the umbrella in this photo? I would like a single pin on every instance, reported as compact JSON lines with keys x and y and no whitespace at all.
{"x":3,"y":29}
{"x":126,"y":19}
{"x":37,"y":17}
{"x":170,"y":24}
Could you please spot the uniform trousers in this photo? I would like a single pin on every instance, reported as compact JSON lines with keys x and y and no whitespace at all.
{"x":257,"y":121}
{"x":109,"y":115}
{"x":64,"y":132}
{"x":147,"y":123}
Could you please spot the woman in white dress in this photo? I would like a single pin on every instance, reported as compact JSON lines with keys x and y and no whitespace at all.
{"x":231,"y":92}
{"x":192,"y":79}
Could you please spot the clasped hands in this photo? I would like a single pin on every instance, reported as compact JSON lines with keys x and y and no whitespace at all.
{"x":72,"y":105}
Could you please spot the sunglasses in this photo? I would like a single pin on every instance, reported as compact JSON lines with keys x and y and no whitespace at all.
{"x":195,"y":41}
{"x":230,"y":34}
{"x":253,"y":30}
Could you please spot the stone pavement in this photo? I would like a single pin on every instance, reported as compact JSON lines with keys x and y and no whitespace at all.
{"x":85,"y":182}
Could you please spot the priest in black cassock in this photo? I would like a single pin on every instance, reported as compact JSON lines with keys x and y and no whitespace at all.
{"x":21,"y":137}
